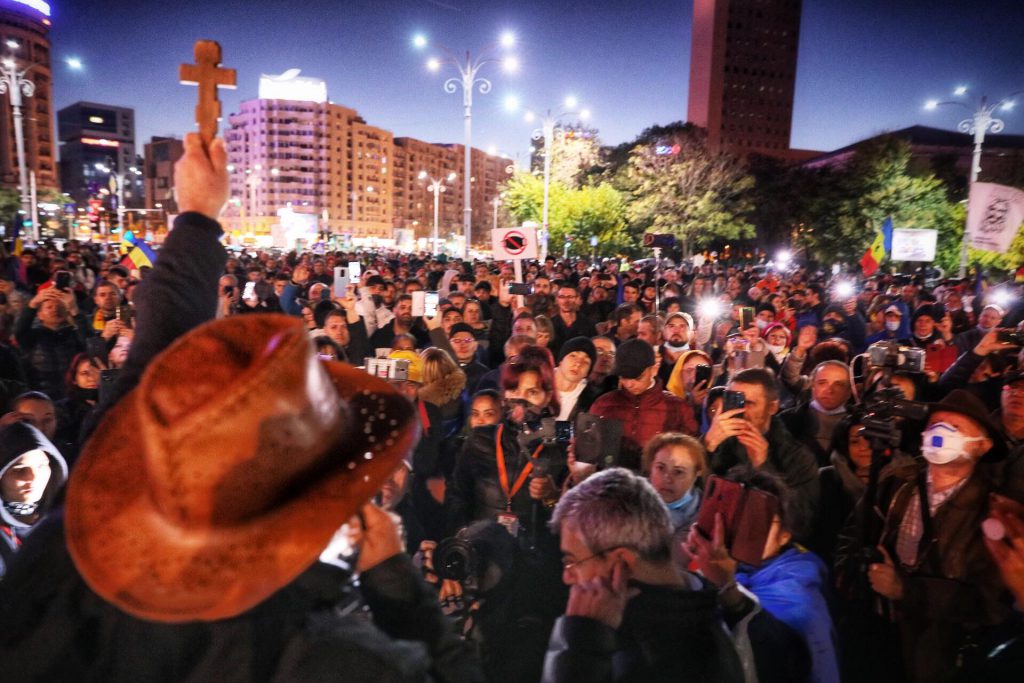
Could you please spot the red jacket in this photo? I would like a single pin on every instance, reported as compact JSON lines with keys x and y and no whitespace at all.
{"x":643,"y":417}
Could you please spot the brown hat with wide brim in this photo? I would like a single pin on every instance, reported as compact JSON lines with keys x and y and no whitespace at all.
{"x":223,"y":475}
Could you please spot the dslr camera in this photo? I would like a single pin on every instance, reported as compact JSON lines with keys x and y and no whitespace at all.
{"x":897,"y":358}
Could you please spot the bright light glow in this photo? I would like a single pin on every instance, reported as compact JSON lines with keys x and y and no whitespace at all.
{"x":844,"y":290}
{"x":422,"y":175}
{"x":275,"y":171}
{"x":419,"y":40}
{"x":931,"y":104}
{"x":258,"y":167}
{"x":511,"y":103}
{"x":13,"y":44}
{"x":100,"y":142}
{"x":9,"y":63}
{"x":291,"y":86}
{"x":529,"y":117}
{"x":433,"y":64}
{"x":95,"y":119}
{"x":783,"y":257}
{"x":492,"y":150}
{"x":102,"y":167}
{"x":960,"y":90}
{"x":231,"y":168}
{"x":451,"y":176}
{"x":159,"y":205}
{"x":39,"y":6}
{"x":510,"y":64}
{"x":74,"y":63}
{"x":1002,"y":298}
{"x":571,"y":102}
{"x":585,"y":114}
{"x":508,"y":39}
{"x":709,"y":308}
{"x":1007,"y":106}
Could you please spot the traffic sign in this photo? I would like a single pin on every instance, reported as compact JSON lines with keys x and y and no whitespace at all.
{"x":514,"y":243}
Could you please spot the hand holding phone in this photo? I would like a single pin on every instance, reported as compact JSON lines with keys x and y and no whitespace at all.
{"x":341,"y":280}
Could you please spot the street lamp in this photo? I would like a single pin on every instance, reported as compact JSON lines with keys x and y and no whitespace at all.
{"x":119,"y":187}
{"x":13,"y":81}
{"x":546,"y":132}
{"x":496,"y":202}
{"x":437,"y":187}
{"x":981,"y":122}
{"x":468,"y":68}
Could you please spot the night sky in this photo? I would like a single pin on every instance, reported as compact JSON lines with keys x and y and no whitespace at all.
{"x":865,"y":66}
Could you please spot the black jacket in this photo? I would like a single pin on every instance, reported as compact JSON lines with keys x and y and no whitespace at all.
{"x":667,"y":634}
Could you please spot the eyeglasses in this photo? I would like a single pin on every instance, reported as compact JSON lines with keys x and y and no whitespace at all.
{"x":606,"y":354}
{"x":462,"y":340}
{"x":572,"y":564}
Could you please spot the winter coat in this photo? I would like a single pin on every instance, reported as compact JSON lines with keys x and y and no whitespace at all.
{"x":15,"y":440}
{"x":49,"y":352}
{"x":791,"y":587}
{"x":448,"y":394}
{"x":667,"y":633}
{"x":788,"y":458}
{"x":955,"y":594}
{"x":644,"y":416}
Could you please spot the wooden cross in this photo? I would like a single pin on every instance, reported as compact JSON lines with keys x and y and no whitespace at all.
{"x":208,"y":75}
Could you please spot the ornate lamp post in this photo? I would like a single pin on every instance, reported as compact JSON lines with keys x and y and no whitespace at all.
{"x":437,"y":187}
{"x":981,"y":122}
{"x":468,"y":68}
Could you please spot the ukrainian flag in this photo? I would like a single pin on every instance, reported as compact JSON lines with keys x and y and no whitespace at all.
{"x":876,"y":253}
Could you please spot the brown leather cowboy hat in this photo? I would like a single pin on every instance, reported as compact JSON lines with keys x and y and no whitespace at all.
{"x":227,"y":470}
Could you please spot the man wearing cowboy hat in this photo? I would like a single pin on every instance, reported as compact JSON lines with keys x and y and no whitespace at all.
{"x":945,"y":589}
{"x":228,"y":460}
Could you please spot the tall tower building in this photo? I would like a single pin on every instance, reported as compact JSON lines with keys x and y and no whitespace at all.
{"x":24,"y":38}
{"x":743,"y":73}
{"x":93,"y":135}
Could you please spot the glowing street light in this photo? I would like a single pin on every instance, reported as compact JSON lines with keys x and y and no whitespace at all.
{"x":437,"y":187}
{"x":468,"y":69}
{"x":981,"y":122}
{"x":960,"y":90}
{"x":419,"y":41}
{"x":74,"y":63}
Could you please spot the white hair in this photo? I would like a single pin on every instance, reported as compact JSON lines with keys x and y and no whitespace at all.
{"x":617,"y":508}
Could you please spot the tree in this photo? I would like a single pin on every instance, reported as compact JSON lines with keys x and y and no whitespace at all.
{"x":590,"y":211}
{"x":575,"y":151}
{"x":678,"y":186}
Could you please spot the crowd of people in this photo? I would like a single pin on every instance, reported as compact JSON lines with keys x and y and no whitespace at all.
{"x":551,"y":505}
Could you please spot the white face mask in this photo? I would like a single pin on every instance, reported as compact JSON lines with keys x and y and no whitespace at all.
{"x":942,"y":443}
{"x":892,"y":325}
{"x":777,"y":349}
{"x":761,"y":324}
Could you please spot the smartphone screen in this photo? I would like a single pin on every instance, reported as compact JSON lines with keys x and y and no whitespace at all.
{"x":430,"y":304}
{"x":418,"y":304}
{"x":250,"y":291}
{"x":340,"y":281}
{"x":746,"y":317}
{"x":355,"y":269}
{"x":702,"y":374}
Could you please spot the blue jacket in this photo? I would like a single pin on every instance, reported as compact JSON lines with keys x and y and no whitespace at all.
{"x":791,"y":587}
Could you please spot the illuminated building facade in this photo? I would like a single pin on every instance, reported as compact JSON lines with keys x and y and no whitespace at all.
{"x":27,"y":24}
{"x":296,"y":157}
{"x":743,"y":73}
{"x":94,"y":134}
{"x":158,"y":172}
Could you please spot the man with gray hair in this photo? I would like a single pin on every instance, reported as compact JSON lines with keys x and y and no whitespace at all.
{"x":814,"y":421}
{"x":631,"y":615}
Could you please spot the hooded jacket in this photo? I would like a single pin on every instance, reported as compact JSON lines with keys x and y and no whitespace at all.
{"x":16,"y":440}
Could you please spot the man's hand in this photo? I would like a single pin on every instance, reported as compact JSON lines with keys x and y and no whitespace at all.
{"x":807,"y":338}
{"x":111,"y":329}
{"x":850,"y":307}
{"x":713,"y":558}
{"x":755,"y":443}
{"x":602,"y":599}
{"x":884,"y":578}
{"x":380,"y":539}
{"x":201,"y":177}
{"x":1008,"y":552}
{"x":990,"y":343}
{"x":726,"y":423}
{"x":543,"y":489}
{"x":42,"y":296}
{"x":700,"y":392}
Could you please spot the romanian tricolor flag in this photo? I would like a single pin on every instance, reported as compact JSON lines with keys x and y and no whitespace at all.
{"x":127,"y":242}
{"x":876,"y":253}
{"x":139,"y":256}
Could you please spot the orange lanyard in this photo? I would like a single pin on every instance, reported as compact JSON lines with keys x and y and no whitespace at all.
{"x":503,"y":471}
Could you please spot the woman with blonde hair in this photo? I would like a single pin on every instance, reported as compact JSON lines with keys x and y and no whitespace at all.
{"x":675,"y":463}
{"x":444,"y":383}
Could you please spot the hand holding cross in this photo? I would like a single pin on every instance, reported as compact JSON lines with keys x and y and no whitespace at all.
{"x":208,"y":75}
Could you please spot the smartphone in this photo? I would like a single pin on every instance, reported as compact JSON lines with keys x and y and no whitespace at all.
{"x":228,"y":290}
{"x":96,"y":348}
{"x":355,"y":269}
{"x":418,"y":304}
{"x":107,"y":380}
{"x":124,"y":314}
{"x":563,"y":432}
{"x":733,"y":400}
{"x":250,"y":290}
{"x":341,"y":281}
{"x":62,"y":280}
{"x":520,"y":289}
{"x":430,"y":304}
{"x":747,"y":515}
{"x":325,"y":294}
{"x":746,"y":317}
{"x":702,"y":374}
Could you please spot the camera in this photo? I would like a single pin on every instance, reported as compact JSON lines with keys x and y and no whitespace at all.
{"x":895,"y":357}
{"x":455,"y":559}
{"x":392,"y":369}
{"x":1009,"y":337}
{"x":62,"y":280}
{"x":467,"y":556}
{"x":733,"y":400}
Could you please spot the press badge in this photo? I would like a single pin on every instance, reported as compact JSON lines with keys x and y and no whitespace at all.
{"x":510,"y":522}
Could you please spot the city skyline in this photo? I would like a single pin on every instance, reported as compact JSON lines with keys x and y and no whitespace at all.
{"x":862,"y":70}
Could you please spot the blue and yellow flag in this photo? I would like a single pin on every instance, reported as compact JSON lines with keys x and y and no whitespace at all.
{"x":878,"y":250}
{"x":127,"y":242}
{"x":140,"y":256}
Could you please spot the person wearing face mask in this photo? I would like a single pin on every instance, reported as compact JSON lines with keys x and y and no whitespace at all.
{"x":943,"y":588}
{"x":893,"y":317}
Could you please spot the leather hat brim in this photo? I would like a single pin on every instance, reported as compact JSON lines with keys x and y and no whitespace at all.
{"x":134,"y":558}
